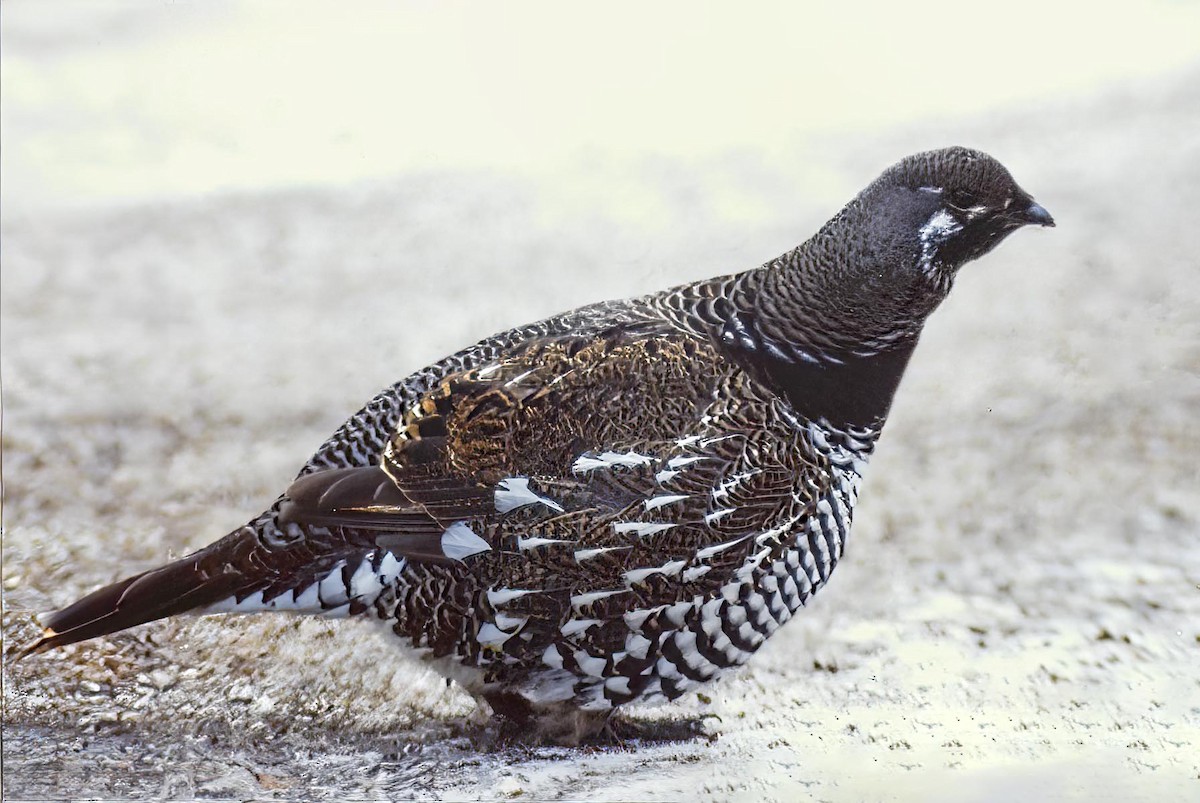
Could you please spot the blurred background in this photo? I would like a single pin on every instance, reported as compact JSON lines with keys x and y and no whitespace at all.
{"x":226,"y":225}
{"x":128,"y":101}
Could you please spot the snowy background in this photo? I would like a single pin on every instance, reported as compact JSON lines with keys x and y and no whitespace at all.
{"x":225,"y":226}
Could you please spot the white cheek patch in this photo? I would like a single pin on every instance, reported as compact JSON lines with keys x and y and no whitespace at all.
{"x":940,"y":227}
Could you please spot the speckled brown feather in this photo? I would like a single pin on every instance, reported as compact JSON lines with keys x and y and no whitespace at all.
{"x":533,"y":415}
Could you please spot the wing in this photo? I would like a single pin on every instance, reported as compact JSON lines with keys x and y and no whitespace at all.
{"x":640,"y":440}
{"x":557,"y":491}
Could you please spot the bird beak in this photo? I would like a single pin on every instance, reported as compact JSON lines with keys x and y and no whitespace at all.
{"x":1035,"y":213}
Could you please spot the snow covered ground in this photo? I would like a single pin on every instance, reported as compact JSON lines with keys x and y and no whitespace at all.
{"x":1018,"y":614}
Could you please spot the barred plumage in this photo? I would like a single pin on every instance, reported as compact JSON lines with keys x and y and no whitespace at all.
{"x":622,"y":502}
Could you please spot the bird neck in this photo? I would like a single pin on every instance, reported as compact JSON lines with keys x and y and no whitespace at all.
{"x":842,"y":387}
{"x":831,"y":324}
{"x":856,"y":287}
{"x":834,"y":340}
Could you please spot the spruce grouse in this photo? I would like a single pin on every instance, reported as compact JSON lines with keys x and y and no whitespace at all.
{"x":622,"y":502}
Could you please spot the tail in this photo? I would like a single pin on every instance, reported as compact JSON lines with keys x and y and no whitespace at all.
{"x":210,"y":575}
{"x":238,"y":574}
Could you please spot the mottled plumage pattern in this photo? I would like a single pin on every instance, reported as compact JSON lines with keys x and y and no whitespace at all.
{"x":622,"y":502}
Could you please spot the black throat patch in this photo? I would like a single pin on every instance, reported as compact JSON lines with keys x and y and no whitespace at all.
{"x":845,"y":389}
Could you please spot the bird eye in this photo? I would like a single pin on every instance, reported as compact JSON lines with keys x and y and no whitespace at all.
{"x":962,"y":199}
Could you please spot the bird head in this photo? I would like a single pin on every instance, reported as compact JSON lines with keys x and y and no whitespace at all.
{"x":834,"y":321}
{"x":962,"y":202}
{"x":868,"y":280}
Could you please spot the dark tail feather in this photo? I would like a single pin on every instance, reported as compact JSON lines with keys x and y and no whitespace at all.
{"x":200,"y":579}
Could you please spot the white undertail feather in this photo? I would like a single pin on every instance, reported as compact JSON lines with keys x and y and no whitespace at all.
{"x":327,"y":595}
